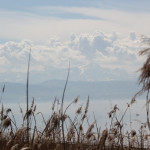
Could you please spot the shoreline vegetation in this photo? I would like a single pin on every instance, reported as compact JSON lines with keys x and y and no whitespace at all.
{"x":76,"y":136}
{"x":61,"y":132}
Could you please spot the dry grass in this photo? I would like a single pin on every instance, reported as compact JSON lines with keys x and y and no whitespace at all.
{"x":76,"y":137}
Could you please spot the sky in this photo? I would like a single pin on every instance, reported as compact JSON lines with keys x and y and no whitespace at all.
{"x":100,"y":38}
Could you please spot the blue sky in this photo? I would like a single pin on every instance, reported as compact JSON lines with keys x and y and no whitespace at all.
{"x":128,"y":5}
{"x":101,"y":39}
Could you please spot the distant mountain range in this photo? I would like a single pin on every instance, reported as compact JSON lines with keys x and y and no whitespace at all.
{"x":48,"y":90}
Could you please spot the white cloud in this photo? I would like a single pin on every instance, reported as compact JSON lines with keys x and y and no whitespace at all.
{"x":97,"y":56}
{"x":37,"y":27}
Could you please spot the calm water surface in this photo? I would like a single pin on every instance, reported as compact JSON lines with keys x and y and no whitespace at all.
{"x":100,"y":108}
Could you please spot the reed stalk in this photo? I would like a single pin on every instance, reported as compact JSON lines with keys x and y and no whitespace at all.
{"x":27,"y":96}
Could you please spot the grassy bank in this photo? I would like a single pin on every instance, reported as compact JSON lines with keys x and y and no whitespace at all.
{"x":74,"y":134}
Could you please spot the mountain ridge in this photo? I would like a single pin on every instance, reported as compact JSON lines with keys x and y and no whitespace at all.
{"x":50,"y":89}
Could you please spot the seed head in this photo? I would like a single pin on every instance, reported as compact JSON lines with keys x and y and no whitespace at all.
{"x":7,"y":123}
{"x":76,"y":99}
{"x":133,"y":133}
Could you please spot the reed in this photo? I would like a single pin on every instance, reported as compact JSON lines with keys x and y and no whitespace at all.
{"x":75,"y":134}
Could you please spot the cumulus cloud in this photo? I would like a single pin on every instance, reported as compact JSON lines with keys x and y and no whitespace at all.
{"x":97,"y":56}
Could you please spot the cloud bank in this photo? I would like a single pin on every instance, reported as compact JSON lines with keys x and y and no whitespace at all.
{"x":93,"y":57}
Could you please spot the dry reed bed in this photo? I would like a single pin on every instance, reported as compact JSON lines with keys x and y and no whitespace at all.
{"x":13,"y":137}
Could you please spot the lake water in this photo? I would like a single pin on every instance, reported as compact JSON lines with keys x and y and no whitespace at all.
{"x":101,"y":108}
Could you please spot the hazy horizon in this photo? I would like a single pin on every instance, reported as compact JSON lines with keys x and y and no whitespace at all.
{"x":49,"y":90}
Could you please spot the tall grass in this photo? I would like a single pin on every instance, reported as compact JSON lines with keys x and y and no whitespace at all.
{"x":79,"y":131}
